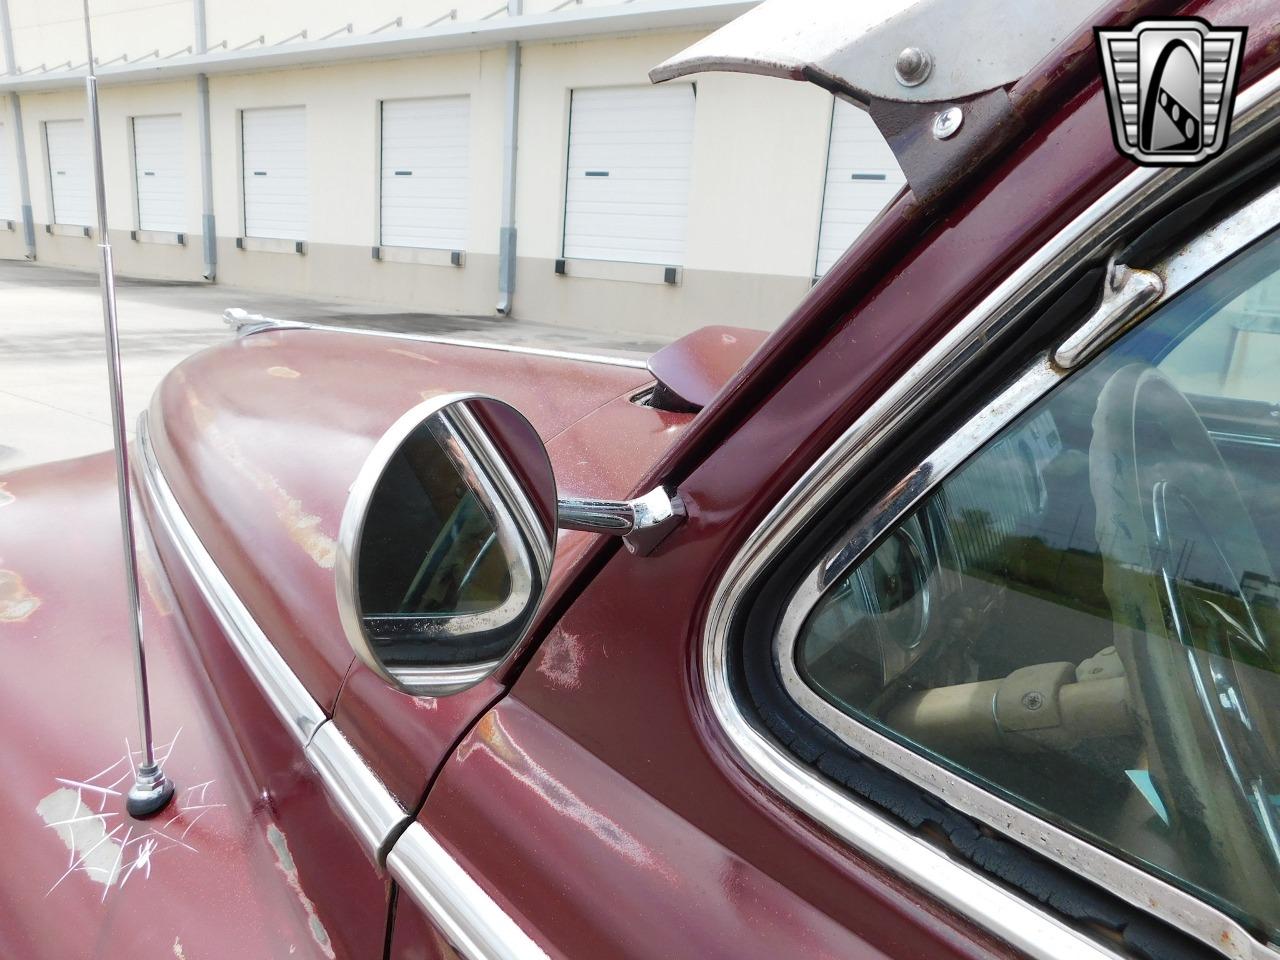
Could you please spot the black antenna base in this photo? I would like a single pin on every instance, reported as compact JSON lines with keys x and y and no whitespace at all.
{"x":150,"y":793}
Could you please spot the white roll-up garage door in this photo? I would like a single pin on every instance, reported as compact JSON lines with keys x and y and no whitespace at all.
{"x":862,"y":177}
{"x":69,"y":177}
{"x":8,"y":178}
{"x":159,"y":168}
{"x":426,"y":172}
{"x":275,"y":172}
{"x":627,"y":196}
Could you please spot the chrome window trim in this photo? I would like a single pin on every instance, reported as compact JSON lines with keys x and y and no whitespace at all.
{"x":261,"y":324}
{"x":516,"y":529}
{"x":1001,"y":911}
{"x":472,"y":920}
{"x":1184,"y":267}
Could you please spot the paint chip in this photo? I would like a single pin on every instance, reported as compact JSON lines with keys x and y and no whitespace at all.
{"x":284,"y":861}
{"x":303,"y":528}
{"x":177,"y":949}
{"x":413,"y":356}
{"x":92,"y":850}
{"x":16,"y":601}
{"x":284,"y":373}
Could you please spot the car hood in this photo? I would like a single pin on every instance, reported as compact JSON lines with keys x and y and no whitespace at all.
{"x":261,"y":438}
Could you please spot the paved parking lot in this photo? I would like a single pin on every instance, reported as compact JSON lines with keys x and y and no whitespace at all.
{"x":53,"y":372}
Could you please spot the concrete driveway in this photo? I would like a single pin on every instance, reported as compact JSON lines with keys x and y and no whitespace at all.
{"x":53,"y":371}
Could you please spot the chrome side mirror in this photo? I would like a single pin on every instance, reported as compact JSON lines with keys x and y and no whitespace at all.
{"x":447,"y":539}
{"x":446,"y":544}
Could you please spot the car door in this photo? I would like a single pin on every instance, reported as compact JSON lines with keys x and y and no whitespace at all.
{"x":916,"y":709}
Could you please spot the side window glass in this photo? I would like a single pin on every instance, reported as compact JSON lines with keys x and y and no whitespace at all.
{"x":1085,"y":618}
{"x":1235,"y":353}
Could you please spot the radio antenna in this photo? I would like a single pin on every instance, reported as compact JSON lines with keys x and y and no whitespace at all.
{"x":151,"y":790}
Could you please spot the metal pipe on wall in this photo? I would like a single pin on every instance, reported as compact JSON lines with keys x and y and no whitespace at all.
{"x":208,"y":225}
{"x":19,"y":137}
{"x":510,"y":143}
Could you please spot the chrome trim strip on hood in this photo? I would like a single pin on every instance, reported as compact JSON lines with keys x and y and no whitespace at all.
{"x":473,"y":922}
{"x":246,"y":325}
{"x":376,"y":817}
{"x":293,"y":704}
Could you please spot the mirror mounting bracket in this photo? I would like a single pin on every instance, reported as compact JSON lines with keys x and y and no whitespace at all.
{"x":643,"y":523}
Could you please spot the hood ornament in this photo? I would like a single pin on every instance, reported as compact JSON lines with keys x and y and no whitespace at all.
{"x":151,"y":790}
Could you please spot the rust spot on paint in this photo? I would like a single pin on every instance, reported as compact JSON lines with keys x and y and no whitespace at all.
{"x":284,"y":373}
{"x":16,"y":601}
{"x":413,"y":356}
{"x":285,"y":864}
{"x":6,"y":497}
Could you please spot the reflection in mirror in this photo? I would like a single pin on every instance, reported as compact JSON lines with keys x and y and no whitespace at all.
{"x":446,"y":543}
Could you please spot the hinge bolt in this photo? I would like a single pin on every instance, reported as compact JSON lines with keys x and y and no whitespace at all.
{"x":913,"y":67}
{"x":946,"y":123}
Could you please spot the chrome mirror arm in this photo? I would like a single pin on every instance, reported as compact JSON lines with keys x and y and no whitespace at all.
{"x":643,"y":523}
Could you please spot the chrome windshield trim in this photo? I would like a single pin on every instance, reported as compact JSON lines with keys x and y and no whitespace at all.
{"x":293,"y":704}
{"x":1003,"y":912}
{"x":375,"y":816}
{"x":269,"y":325}
{"x":472,"y":922}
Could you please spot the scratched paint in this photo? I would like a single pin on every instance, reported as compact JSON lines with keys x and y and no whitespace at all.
{"x":177,"y":949}
{"x":17,"y":603}
{"x":284,"y":862}
{"x":302,"y":527}
{"x":561,"y":659}
{"x":284,"y":373}
{"x":491,"y":737}
{"x":105,"y":846}
{"x":91,"y":849}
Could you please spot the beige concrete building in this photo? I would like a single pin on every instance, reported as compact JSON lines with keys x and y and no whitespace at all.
{"x":461,"y":156}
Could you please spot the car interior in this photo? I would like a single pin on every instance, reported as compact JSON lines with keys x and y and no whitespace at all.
{"x":1085,"y":618}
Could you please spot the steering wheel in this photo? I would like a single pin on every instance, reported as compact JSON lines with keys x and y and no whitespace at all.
{"x":1189,"y":584}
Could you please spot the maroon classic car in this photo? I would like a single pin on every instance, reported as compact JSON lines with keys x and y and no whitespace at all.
{"x":944,"y":622}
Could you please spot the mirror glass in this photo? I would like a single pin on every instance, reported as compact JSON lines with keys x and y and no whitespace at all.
{"x":446,"y":543}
